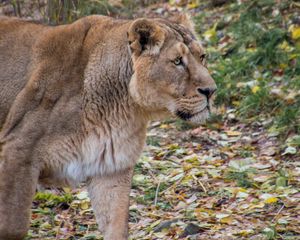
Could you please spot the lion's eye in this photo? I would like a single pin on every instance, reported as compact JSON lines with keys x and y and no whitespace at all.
{"x":178,"y":61}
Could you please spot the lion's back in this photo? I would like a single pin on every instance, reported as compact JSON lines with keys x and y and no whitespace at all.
{"x":16,"y":40}
{"x":56,"y":57}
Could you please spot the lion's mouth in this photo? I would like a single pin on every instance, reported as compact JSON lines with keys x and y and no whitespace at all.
{"x":186,"y":116}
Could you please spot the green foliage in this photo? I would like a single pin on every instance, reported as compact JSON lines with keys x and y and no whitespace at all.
{"x":270,"y":233}
{"x":241,"y":172}
{"x":241,"y":177}
{"x":50,"y":200}
{"x":153,"y":141}
{"x":253,"y":54}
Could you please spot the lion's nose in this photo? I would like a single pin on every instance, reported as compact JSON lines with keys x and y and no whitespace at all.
{"x":208,"y":92}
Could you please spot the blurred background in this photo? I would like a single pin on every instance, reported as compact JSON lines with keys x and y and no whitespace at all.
{"x":236,"y":177}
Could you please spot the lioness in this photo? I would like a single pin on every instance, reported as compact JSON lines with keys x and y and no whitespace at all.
{"x":75,"y":101}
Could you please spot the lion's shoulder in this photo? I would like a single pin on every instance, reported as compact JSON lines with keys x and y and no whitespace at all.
{"x":39,"y":66}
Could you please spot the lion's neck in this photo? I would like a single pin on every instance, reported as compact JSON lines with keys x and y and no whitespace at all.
{"x":107,"y":104}
{"x":106,"y":88}
{"x":114,"y":132}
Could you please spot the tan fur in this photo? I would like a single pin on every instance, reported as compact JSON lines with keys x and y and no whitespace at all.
{"x":74,"y":105}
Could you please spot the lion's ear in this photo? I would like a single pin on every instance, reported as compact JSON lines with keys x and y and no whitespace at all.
{"x":185,"y":20}
{"x":145,"y":36}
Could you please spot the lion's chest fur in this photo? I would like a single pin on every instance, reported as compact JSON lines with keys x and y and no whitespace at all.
{"x":103,"y":156}
{"x":96,"y":155}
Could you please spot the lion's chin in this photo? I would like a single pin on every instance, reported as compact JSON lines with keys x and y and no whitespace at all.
{"x":196,"y":118}
{"x":200,"y":117}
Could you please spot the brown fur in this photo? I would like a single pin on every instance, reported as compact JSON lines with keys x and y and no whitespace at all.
{"x":74,"y":105}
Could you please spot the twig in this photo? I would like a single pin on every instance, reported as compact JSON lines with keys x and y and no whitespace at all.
{"x":201,"y":184}
{"x":278,"y":213}
{"x":156,"y":193}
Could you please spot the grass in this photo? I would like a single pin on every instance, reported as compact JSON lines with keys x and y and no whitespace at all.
{"x":49,"y":200}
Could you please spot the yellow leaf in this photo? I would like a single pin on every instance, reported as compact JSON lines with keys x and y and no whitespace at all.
{"x":203,"y":213}
{"x":46,"y":225}
{"x":173,"y":146}
{"x":284,"y":45}
{"x":155,"y":223}
{"x":193,"y":4}
{"x":271,"y":200}
{"x":259,"y":205}
{"x":242,"y":190}
{"x":187,"y":167}
{"x":293,"y":56}
{"x":187,"y":179}
{"x":66,"y":189}
{"x":233,"y":133}
{"x":236,"y":103}
{"x":251,"y":49}
{"x":246,"y":232}
{"x":165,"y":126}
{"x":84,"y":205}
{"x":255,"y":89}
{"x":283,"y":66}
{"x":295,"y":33}
{"x":211,"y":33}
{"x":172,"y":2}
{"x":226,"y":220}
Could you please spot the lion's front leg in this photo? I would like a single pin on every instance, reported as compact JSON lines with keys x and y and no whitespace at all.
{"x":18,"y":181}
{"x":110,"y":201}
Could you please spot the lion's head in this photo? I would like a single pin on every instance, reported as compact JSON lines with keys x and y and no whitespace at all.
{"x":170,"y":72}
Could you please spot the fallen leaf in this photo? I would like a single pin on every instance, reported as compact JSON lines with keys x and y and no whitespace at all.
{"x":82,"y":195}
{"x":222,"y":215}
{"x":271,"y":200}
{"x":290,"y":150}
{"x":295,"y":31}
{"x":211,"y":33}
{"x":255,"y":89}
{"x":84,"y":205}
{"x":227,"y":220}
{"x":233,"y":133}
